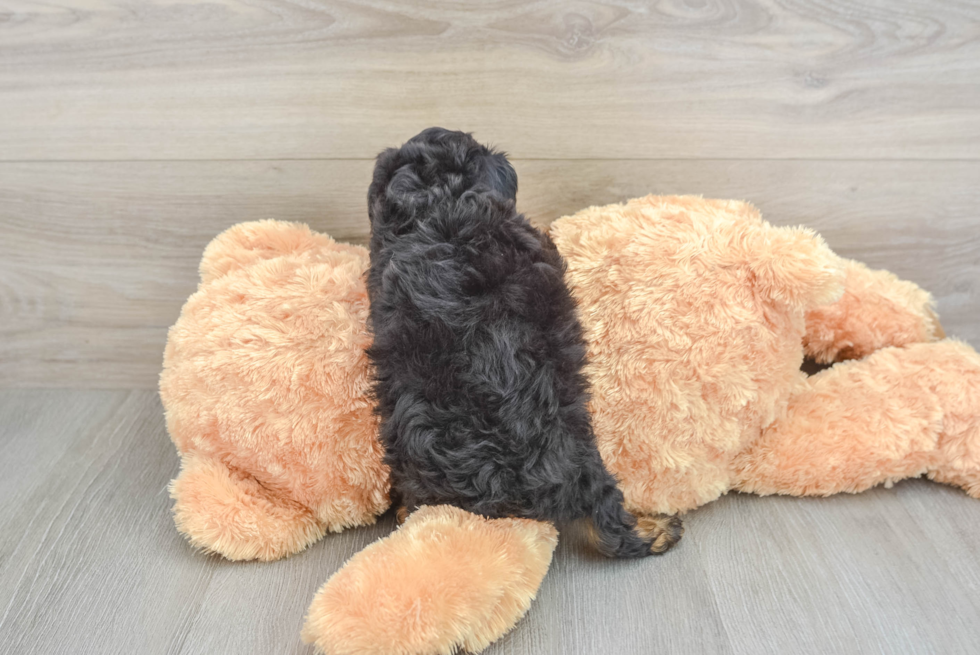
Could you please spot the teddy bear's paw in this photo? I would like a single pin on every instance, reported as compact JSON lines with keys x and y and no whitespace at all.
{"x":664,"y":530}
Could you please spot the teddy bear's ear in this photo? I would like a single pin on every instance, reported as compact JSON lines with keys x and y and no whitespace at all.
{"x":246,"y":243}
{"x":793,"y":265}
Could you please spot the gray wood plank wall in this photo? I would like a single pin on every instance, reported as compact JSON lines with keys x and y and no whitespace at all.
{"x":132,"y":132}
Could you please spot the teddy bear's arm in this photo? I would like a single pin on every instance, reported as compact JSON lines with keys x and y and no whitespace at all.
{"x":902,"y":412}
{"x":877,"y":310}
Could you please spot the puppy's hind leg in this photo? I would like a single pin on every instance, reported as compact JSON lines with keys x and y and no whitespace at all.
{"x":664,"y":530}
{"x":403,"y":512}
{"x":617,"y":533}
{"x":404,"y":506}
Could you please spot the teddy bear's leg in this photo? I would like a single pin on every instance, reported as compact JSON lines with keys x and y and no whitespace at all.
{"x":230,"y":513}
{"x":445,"y":580}
{"x":899,"y":413}
{"x":877,"y":310}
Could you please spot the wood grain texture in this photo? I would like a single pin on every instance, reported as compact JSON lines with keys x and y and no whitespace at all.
{"x":260,"y":79}
{"x":90,"y":562}
{"x":96,"y":260}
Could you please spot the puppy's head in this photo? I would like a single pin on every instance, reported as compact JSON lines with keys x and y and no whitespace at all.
{"x":434,"y":165}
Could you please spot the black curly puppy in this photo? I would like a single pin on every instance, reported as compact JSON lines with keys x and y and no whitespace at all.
{"x":477,"y":352}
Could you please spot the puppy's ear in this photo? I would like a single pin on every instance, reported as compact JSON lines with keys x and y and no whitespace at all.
{"x":501,"y":176}
{"x":384,"y":167}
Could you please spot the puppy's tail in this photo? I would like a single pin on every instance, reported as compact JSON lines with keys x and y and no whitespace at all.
{"x":617,"y":533}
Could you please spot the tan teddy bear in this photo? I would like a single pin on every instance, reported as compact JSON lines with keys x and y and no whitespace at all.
{"x":698,"y":315}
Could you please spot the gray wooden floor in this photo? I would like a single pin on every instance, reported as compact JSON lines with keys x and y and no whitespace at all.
{"x":90,"y":562}
{"x":132,"y":131}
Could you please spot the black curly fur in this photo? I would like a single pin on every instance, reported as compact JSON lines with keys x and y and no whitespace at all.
{"x":477,"y":352}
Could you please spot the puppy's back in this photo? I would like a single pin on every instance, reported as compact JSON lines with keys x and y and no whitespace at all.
{"x":477,"y":351}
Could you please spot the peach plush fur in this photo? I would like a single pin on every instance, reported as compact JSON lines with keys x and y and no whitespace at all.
{"x":264,"y":383}
{"x":698,"y":315}
{"x":445,"y":580}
